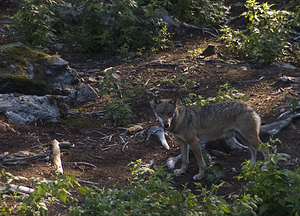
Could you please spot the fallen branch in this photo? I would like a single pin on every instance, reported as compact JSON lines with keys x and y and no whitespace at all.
{"x":275,"y":127}
{"x":164,"y":90}
{"x":219,"y":153}
{"x":175,"y":26}
{"x":21,"y":159}
{"x":56,"y":156}
{"x":252,"y":81}
{"x":12,"y":188}
{"x":124,"y":146}
{"x":77,"y":164}
{"x":110,"y":147}
{"x":108,"y":137}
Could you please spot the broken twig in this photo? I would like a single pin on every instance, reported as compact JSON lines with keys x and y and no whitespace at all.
{"x":77,"y":164}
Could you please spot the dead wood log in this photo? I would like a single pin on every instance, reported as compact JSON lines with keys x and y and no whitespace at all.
{"x":21,"y":159}
{"x":275,"y":127}
{"x":180,"y":28}
{"x":12,"y":188}
{"x":56,"y":156}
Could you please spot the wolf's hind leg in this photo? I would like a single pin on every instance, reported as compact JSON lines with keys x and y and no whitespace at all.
{"x":253,"y":151}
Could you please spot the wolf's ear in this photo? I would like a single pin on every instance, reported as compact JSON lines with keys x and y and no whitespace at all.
{"x":154,"y":102}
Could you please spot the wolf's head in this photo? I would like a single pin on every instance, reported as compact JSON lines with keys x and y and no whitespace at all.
{"x":164,"y":110}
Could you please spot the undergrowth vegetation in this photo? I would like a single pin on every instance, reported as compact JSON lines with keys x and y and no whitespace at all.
{"x":121,"y":95}
{"x":119,"y":26}
{"x":269,"y":34}
{"x":127,"y":25}
{"x":268,"y":191}
{"x":225,"y":93}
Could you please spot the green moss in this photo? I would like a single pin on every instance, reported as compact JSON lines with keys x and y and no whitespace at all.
{"x":20,"y":54}
{"x":16,"y":61}
{"x":21,"y":84}
{"x":16,"y":58}
{"x":61,"y":104}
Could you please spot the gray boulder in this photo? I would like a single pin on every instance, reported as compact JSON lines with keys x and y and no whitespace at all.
{"x":85,"y":93}
{"x":28,"y":108}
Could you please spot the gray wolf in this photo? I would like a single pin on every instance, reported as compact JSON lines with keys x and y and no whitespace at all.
{"x":190,"y":124}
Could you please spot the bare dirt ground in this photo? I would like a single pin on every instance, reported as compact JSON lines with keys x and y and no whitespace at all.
{"x":87,"y":130}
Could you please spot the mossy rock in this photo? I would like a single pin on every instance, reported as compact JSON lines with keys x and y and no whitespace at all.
{"x":20,"y":53}
{"x":22,"y":85}
{"x":28,"y":71}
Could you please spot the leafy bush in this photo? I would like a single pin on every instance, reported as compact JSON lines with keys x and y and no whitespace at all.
{"x":225,"y":93}
{"x":267,"y":37}
{"x":269,"y":191}
{"x":35,"y":22}
{"x":119,"y":26}
{"x":121,"y":94}
{"x":120,"y":112}
{"x":149,"y":193}
{"x":46,"y":193}
{"x":118,"y":89}
{"x":276,"y":190}
{"x":200,"y":12}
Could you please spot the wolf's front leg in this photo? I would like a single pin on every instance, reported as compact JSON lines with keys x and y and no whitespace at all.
{"x":184,"y":148}
{"x":198,"y":154}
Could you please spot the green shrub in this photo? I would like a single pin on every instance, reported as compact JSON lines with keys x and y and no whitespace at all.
{"x":200,"y":12}
{"x":272,"y":190}
{"x":46,"y":193}
{"x":276,"y":190}
{"x":121,"y":94}
{"x":225,"y":93}
{"x":267,"y":37}
{"x":149,"y":193}
{"x":35,"y":22}
{"x":118,"y":26}
{"x":120,"y":112}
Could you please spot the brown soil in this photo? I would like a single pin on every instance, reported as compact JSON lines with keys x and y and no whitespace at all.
{"x":86,"y":132}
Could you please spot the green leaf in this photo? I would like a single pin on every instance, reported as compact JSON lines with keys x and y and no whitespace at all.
{"x":83,"y":190}
{"x":63,"y":195}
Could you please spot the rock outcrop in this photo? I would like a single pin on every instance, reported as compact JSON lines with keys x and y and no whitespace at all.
{"x":31,"y":82}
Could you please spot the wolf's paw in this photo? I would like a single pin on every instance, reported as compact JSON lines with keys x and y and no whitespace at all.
{"x":179,"y":171}
{"x":198,"y":176}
